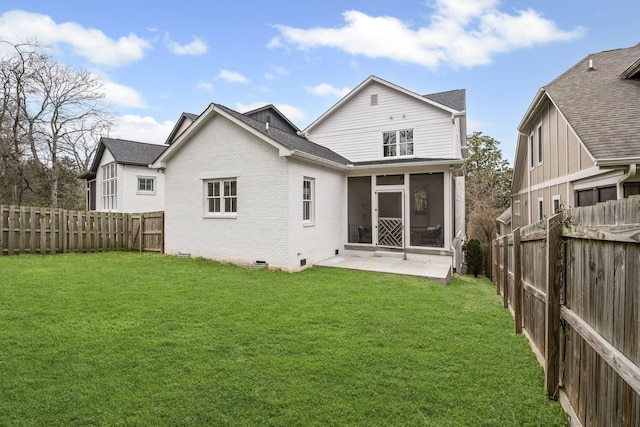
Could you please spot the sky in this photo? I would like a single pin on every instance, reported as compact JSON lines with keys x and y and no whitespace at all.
{"x":157,"y":60}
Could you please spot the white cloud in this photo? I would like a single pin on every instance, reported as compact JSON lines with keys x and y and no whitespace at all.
{"x":121,"y":95}
{"x":204,"y":87}
{"x":325,"y":89}
{"x":460,"y":33}
{"x":292,"y":113}
{"x":232,"y":77}
{"x":197,"y":47}
{"x":93,"y":45}
{"x":143,"y":129}
{"x":281,"y":71}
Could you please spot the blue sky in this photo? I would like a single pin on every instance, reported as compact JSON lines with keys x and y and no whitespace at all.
{"x":158,"y":59}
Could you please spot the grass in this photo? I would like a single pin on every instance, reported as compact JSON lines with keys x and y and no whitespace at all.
{"x":141,"y":339}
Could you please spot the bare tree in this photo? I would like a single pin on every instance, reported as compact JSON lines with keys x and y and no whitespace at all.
{"x":55,"y":112}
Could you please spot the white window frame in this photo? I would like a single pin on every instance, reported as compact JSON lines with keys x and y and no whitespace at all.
{"x":227,"y":196}
{"x":540,"y":208}
{"x":531,"y":151}
{"x":540,"y":147}
{"x":308,"y":200}
{"x":150,"y":179}
{"x":400,"y":142}
{"x":516,"y":207}
{"x":555,"y":200}
{"x":110,"y":186}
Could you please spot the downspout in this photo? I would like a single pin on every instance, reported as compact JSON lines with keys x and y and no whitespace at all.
{"x":630,"y":174}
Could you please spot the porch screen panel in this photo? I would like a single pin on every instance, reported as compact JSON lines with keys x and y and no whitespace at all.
{"x":426,"y":216}
{"x":359,"y":210}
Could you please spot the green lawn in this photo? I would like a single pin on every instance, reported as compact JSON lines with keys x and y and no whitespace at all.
{"x":141,"y":339}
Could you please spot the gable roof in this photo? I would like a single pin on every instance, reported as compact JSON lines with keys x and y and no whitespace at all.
{"x":283,"y":123}
{"x":287,"y":143}
{"x":124,"y":152}
{"x":190,"y":117}
{"x":602,"y":103}
{"x":456,"y":99}
{"x":449,"y":101}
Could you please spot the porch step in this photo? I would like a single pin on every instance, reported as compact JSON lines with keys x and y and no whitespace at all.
{"x":390,"y":254}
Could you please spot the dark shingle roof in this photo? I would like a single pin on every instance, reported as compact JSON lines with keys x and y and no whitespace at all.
{"x":133,"y":152}
{"x":455,"y":99}
{"x":288,"y":140}
{"x":601,"y":106}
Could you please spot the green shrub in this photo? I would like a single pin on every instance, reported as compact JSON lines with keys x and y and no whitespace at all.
{"x":473,"y":256}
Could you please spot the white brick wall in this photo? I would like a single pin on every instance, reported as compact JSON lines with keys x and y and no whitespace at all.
{"x":318,"y":241}
{"x":260,"y":231}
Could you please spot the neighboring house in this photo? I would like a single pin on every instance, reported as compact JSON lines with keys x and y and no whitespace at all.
{"x":579,"y":141}
{"x":504,"y":222}
{"x":120,"y":179}
{"x":382,"y":169}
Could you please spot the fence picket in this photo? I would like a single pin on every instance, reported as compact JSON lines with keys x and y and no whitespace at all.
{"x":581,"y":306}
{"x":41,"y":230}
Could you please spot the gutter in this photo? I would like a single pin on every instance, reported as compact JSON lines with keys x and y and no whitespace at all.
{"x":630,"y":174}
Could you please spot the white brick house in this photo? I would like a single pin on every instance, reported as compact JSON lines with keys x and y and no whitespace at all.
{"x":379,"y":170}
{"x":120,"y":179}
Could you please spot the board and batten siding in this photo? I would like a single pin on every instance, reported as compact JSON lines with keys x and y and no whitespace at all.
{"x":260,"y":231}
{"x":356,"y":131}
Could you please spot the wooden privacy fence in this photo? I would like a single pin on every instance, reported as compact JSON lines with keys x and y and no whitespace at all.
{"x":34,"y":230}
{"x":573,"y":284}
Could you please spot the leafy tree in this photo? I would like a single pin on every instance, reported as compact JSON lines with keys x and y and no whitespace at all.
{"x":473,"y":256}
{"x":488,"y":186}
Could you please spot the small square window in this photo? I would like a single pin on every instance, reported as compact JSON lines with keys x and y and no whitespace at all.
{"x":221,"y":197}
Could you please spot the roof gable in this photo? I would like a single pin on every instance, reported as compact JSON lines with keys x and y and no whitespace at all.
{"x":183,"y":122}
{"x":451,"y":97}
{"x":269,"y":113}
{"x":287,"y":143}
{"x":601,"y":104}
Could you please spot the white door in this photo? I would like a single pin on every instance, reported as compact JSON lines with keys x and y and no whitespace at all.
{"x":390,"y":219}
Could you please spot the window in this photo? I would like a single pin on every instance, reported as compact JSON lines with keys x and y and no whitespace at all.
{"x":591,"y":196}
{"x":146,"y":185}
{"x":631,"y":188}
{"x":555,"y":205}
{"x":531,"y":151}
{"x":397,"y":143}
{"x":307,"y":199}
{"x":540,"y":144}
{"x":516,"y":207}
{"x":110,"y":186}
{"x":221,"y":197}
{"x":540,"y":209}
{"x":374,"y":99}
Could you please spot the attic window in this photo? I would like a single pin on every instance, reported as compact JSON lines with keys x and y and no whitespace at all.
{"x":374,"y":99}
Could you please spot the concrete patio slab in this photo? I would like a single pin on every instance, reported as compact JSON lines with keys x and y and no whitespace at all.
{"x":439,"y":272}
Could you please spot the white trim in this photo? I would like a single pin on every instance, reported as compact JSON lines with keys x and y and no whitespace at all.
{"x":312,"y":201}
{"x":539,"y":143}
{"x":585,"y":173}
{"x":540,"y":209}
{"x":365,"y":83}
{"x":553,"y":202}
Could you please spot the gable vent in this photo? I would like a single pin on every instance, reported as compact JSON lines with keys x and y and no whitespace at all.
{"x":374,"y":99}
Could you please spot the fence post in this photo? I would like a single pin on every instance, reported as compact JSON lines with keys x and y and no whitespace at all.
{"x":552,"y":312}
{"x":496,"y":264}
{"x":505,"y":271}
{"x":517,"y":281}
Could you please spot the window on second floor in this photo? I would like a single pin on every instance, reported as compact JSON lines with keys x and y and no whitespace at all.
{"x":540,"y":144}
{"x":531,"y":151}
{"x":397,"y":143}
